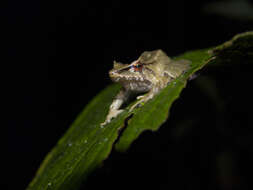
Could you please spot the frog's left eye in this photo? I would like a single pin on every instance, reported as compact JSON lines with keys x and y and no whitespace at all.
{"x":137,"y":67}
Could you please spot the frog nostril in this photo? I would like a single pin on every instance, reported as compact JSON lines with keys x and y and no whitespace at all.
{"x":111,"y":73}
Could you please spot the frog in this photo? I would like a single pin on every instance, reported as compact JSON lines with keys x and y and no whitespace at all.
{"x":144,"y":77}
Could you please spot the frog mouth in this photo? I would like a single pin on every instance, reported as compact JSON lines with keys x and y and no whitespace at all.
{"x":122,"y":78}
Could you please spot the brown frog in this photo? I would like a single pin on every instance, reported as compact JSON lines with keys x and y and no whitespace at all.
{"x":150,"y":73}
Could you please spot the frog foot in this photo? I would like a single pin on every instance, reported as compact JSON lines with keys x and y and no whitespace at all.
{"x":112,"y":114}
{"x":142,"y":100}
{"x":137,"y":104}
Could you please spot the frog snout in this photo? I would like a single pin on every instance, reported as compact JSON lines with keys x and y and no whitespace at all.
{"x":112,"y":73}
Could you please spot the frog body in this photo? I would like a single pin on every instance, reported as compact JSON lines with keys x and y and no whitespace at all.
{"x":150,"y":73}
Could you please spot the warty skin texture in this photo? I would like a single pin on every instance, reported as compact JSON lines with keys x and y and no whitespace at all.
{"x":150,"y":73}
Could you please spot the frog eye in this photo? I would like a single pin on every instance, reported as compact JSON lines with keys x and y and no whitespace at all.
{"x":137,"y":67}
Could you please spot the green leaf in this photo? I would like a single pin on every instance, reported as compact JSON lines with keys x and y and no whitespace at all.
{"x":156,"y":111}
{"x":86,"y":144}
{"x":239,"y":50}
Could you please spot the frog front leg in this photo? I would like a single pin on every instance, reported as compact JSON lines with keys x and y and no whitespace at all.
{"x":144,"y":98}
{"x":114,"y":110}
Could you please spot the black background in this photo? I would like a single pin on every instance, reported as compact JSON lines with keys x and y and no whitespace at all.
{"x":58,"y":56}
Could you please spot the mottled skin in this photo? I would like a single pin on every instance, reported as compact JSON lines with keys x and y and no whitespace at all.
{"x":150,"y":73}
